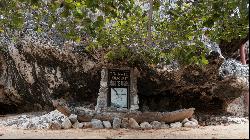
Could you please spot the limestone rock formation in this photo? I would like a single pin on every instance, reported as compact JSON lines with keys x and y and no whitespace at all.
{"x":34,"y":71}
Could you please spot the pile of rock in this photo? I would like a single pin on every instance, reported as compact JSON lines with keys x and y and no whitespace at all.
{"x":57,"y":120}
{"x":132,"y":124}
{"x":232,"y":67}
{"x":54,"y":119}
{"x":221,"y":120}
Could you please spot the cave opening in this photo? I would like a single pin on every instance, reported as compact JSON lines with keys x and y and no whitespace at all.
{"x":171,"y":101}
{"x":152,"y":98}
{"x":7,"y":109}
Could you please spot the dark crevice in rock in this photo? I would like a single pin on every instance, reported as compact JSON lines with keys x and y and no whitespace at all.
{"x":171,"y":101}
{"x":7,"y":109}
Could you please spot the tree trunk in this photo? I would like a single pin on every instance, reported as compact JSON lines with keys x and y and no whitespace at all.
{"x":150,"y":13}
{"x":243,"y":54}
{"x":230,"y":49}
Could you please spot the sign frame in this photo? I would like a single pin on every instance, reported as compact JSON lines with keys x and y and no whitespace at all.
{"x":122,"y":74}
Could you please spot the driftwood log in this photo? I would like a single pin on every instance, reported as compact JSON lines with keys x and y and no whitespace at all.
{"x":87,"y":115}
{"x":167,"y":117}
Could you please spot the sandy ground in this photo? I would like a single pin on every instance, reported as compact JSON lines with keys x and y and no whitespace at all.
{"x":232,"y":131}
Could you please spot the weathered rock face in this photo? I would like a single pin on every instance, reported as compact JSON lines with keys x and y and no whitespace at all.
{"x":191,"y":86}
{"x":32,"y":73}
{"x":240,"y":105}
{"x":213,"y":86}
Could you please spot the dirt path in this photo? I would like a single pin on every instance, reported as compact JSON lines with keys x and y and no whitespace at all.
{"x":233,"y":131}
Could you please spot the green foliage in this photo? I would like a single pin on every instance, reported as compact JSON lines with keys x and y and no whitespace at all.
{"x":121,"y":30}
{"x":3,"y":49}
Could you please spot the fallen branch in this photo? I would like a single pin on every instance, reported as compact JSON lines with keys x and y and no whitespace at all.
{"x":167,"y":117}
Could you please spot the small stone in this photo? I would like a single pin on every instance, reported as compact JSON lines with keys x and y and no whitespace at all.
{"x":155,"y":124}
{"x":80,"y":125}
{"x":97,"y":124}
{"x":66,"y":124}
{"x":77,"y":125}
{"x":55,"y":125}
{"x":25,"y":125}
{"x":73,"y":118}
{"x":194,"y":120}
{"x":107,"y":124}
{"x":175,"y":125}
{"x":133,"y":124}
{"x":87,"y":124}
{"x":64,"y":110}
{"x":164,"y":126}
{"x":125,"y":122}
{"x":184,"y":121}
{"x":116,"y":123}
{"x":145,"y":125}
{"x":190,"y":124}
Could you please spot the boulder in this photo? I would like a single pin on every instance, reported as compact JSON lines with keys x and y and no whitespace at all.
{"x":184,"y":121}
{"x":164,"y":126}
{"x":145,"y":125}
{"x":66,"y":124}
{"x":133,"y":124}
{"x":194,"y":120}
{"x":190,"y":124}
{"x":125,"y":122}
{"x":107,"y":124}
{"x":77,"y":125}
{"x":155,"y":124}
{"x":73,"y":118}
{"x":116,"y":123}
{"x":87,"y":124}
{"x":61,"y":105}
{"x":80,"y":125}
{"x":97,"y":124}
{"x":175,"y":125}
{"x":55,"y":125}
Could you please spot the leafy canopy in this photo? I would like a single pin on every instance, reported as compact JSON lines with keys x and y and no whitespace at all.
{"x":119,"y":30}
